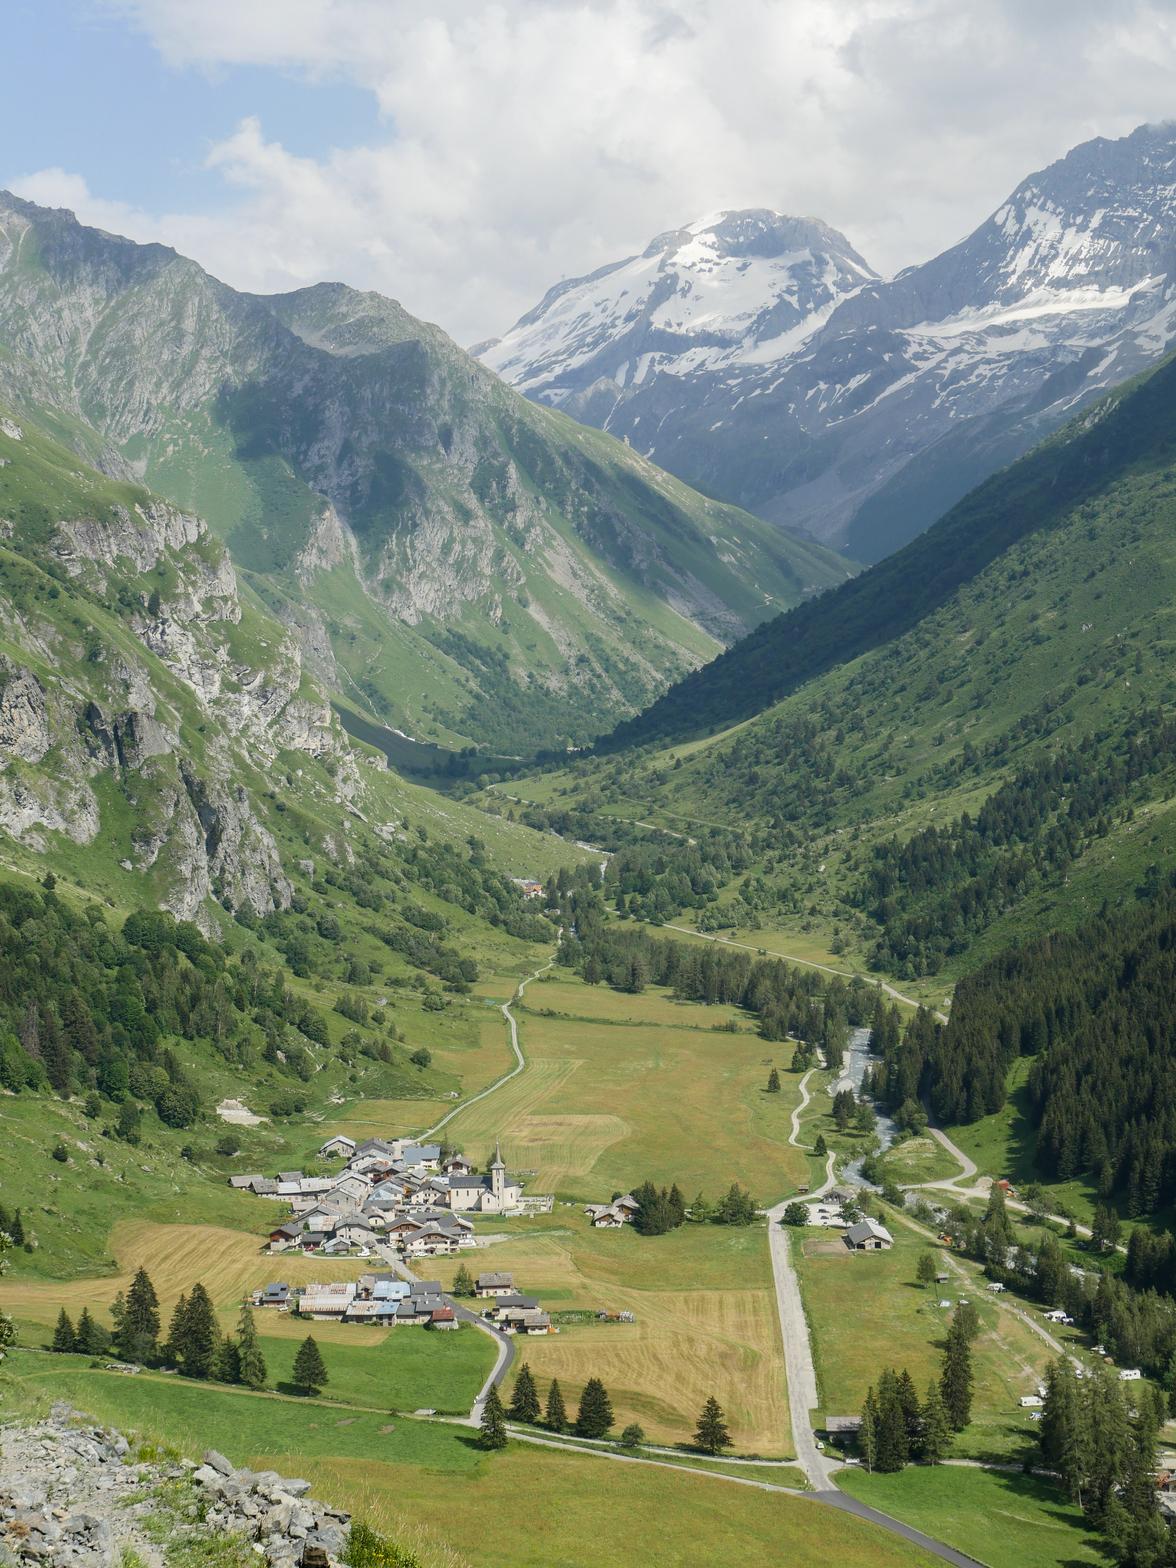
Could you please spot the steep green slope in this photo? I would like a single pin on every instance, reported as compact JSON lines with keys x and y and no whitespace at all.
{"x":324,"y":922}
{"x":1131,"y":429}
{"x":1006,"y":763}
{"x":459,"y":562}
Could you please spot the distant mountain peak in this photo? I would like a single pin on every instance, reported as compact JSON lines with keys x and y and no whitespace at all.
{"x":735,"y":284}
{"x":758,"y":357}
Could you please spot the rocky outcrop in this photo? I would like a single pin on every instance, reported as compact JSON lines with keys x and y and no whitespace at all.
{"x":24,"y":716}
{"x":74,"y":1495}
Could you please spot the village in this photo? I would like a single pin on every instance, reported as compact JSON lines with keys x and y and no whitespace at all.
{"x":403,"y":1195}
{"x":388,"y":1300}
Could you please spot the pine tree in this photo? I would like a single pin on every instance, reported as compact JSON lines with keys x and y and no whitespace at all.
{"x":555,"y":1416}
{"x":912,"y":1414}
{"x":524,"y":1404}
{"x":492,"y":1427}
{"x":893,"y":1444}
{"x":820,"y":1148}
{"x":16,"y":1230}
{"x":138,"y":1329}
{"x":199,"y":1334}
{"x":171,"y":1349}
{"x":463,"y":1283}
{"x":251,"y":1363}
{"x":711,"y":1434}
{"x":91,"y":1338}
{"x":677,"y":1205}
{"x":595,"y":1415}
{"x":228,"y":1361}
{"x":935,"y":1434}
{"x":955,"y":1383}
{"x":1064,"y":1435}
{"x":64,"y":1338}
{"x":773,"y":1082}
{"x":310,"y":1372}
{"x":868,"y":1435}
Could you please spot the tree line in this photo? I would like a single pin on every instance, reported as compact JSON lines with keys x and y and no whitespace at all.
{"x":594,"y":1418}
{"x":193,"y":1345}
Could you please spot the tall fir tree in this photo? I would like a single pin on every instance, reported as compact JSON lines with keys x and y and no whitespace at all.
{"x":524,"y":1403}
{"x":773,"y":1082}
{"x":463,"y":1283}
{"x":935,"y":1434}
{"x":955,"y":1383}
{"x":64,"y":1338}
{"x":310,"y":1370}
{"x":868,"y":1434}
{"x":91,"y":1339}
{"x":893,"y":1443}
{"x":227,"y":1366}
{"x":199,"y":1335}
{"x":555,"y":1414}
{"x":595,"y":1415}
{"x":138,"y":1330}
{"x":711,"y":1433}
{"x":1064,"y":1434}
{"x":251,"y":1362}
{"x":492,"y":1427}
{"x":172,"y":1348}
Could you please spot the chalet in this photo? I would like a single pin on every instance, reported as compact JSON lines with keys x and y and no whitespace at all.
{"x":378,"y":1312}
{"x":429,"y":1241}
{"x":1030,"y":1401}
{"x":290,"y":1176}
{"x":350,"y":1187}
{"x":337,"y":1148}
{"x":288,"y":1235}
{"x":843,"y":1429}
{"x":494,"y":1193}
{"x":244,"y":1183}
{"x":525,"y":1320}
{"x":868,"y":1236}
{"x":494,"y":1285}
{"x":277,"y":1295}
{"x":425,"y":1287}
{"x":1130,"y":1375}
{"x":511,"y":1302}
{"x":420,"y":1157}
{"x":324,"y":1302}
{"x":264,"y":1187}
{"x":457,"y":1165}
{"x":442,"y":1317}
{"x":356,"y":1235}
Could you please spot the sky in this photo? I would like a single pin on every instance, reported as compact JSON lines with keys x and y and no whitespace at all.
{"x":464,"y":155}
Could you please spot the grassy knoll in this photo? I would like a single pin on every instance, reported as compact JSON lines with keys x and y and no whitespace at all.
{"x":429,"y":1483}
{"x":1004,"y":1520}
{"x":586,"y":1513}
{"x":705,"y":1323}
{"x":892,"y":1321}
{"x":918,"y":1160}
{"x":606,"y":1101}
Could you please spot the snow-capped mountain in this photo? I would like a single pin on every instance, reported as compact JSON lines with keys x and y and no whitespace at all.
{"x":733,"y":289}
{"x":889,"y":400}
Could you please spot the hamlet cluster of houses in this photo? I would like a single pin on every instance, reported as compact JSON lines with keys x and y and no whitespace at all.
{"x":610,"y":1216}
{"x":389,"y":1301}
{"x":389,"y":1191}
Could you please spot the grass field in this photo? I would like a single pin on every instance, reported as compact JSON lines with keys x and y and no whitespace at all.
{"x":620,"y":1088}
{"x":705,"y":1323}
{"x":1004,"y":1520}
{"x":917,"y":1160}
{"x":430,"y":1485}
{"x":866,"y":1312}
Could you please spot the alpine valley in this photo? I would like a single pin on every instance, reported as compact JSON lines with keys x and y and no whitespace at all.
{"x":548,"y":1018}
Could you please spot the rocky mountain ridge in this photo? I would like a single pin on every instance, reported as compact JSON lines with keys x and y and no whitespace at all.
{"x":481,"y":568}
{"x":907,"y":392}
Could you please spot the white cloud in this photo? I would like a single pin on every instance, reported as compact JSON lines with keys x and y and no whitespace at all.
{"x":531,"y":139}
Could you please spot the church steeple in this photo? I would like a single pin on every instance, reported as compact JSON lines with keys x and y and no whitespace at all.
{"x":497,"y":1172}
